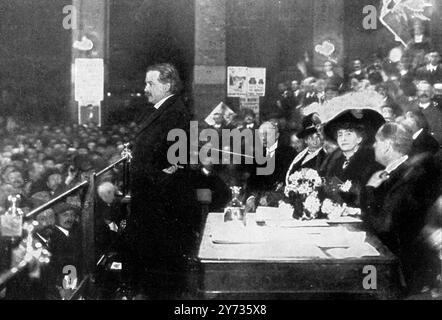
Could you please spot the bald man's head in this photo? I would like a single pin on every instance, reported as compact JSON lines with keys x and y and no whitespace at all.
{"x":106,"y":191}
{"x":268,"y":133}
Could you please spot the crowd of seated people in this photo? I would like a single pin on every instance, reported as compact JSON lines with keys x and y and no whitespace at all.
{"x":40,"y":163}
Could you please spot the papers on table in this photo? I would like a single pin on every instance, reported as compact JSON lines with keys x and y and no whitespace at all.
{"x":340,"y":237}
{"x":364,"y":250}
{"x":344,"y":220}
{"x":268,"y":213}
{"x":297,"y":223}
{"x":288,"y":240}
{"x":283,"y":217}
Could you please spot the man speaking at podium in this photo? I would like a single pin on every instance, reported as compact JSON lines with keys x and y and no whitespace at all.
{"x":161,"y":223}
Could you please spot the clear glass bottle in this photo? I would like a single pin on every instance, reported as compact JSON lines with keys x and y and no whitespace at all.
{"x":11,"y":222}
{"x":235,"y":210}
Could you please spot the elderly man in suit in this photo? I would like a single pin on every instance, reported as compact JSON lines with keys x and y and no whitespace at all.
{"x":431,"y":110}
{"x":162,"y":221}
{"x":263,"y":187}
{"x":395,"y":202}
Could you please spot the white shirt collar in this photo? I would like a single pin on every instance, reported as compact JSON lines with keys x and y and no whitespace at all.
{"x":395,"y":164}
{"x":358,"y":72}
{"x":272,"y":149}
{"x":160,"y":103}
{"x":424,"y":105}
{"x":430,"y":67}
{"x":66,"y":232}
{"x":403,"y":72}
{"x":418,"y":38}
{"x":330,"y":73}
{"x":417,"y":134}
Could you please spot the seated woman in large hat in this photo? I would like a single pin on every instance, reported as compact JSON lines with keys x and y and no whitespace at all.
{"x":353,"y":163}
{"x":313,"y":156}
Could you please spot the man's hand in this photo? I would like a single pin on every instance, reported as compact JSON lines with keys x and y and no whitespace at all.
{"x":250,"y":204}
{"x":263,"y":201}
{"x":377,"y":179}
{"x":434,"y":238}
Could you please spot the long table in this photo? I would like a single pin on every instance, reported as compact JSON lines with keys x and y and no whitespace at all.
{"x":277,"y":262}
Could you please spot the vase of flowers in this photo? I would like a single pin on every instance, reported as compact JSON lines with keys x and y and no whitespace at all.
{"x":302,"y":193}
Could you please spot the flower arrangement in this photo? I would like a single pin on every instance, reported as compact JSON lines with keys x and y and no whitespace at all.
{"x":302,"y":193}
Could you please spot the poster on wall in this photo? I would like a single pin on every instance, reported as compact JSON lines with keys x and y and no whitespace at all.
{"x":236,"y":81}
{"x":244,"y":81}
{"x":256,"y":80}
{"x":89,"y":81}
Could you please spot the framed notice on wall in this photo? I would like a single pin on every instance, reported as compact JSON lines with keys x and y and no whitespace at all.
{"x":243,"y":81}
{"x":89,"y":81}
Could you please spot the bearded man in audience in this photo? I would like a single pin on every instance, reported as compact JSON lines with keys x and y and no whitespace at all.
{"x":395,"y":201}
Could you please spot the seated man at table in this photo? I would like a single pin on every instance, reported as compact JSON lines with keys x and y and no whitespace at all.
{"x":395,"y":201}
{"x":264,"y":186}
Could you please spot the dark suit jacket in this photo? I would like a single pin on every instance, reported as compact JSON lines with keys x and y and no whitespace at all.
{"x":396,"y":212}
{"x":65,"y":251}
{"x":162,"y":206}
{"x":425,"y":142}
{"x":407,"y":84}
{"x":260,"y":183}
{"x":431,"y":77}
{"x":433,"y":114}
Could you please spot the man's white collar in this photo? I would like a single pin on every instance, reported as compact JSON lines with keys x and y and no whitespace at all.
{"x":424,"y":105}
{"x":66,"y":232}
{"x":272,"y":149}
{"x":160,"y":103}
{"x":395,"y":164}
{"x":417,"y":134}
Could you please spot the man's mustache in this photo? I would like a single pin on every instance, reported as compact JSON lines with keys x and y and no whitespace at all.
{"x":424,"y":95}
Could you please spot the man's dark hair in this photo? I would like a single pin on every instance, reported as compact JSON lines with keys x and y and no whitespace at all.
{"x":168,"y":74}
{"x":419,"y":118}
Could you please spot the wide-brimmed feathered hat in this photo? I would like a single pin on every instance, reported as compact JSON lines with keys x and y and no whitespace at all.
{"x":369,"y":119}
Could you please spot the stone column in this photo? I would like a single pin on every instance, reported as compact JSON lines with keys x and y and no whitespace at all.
{"x":328,"y":25}
{"x":209,"y":74}
{"x":92,"y":22}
